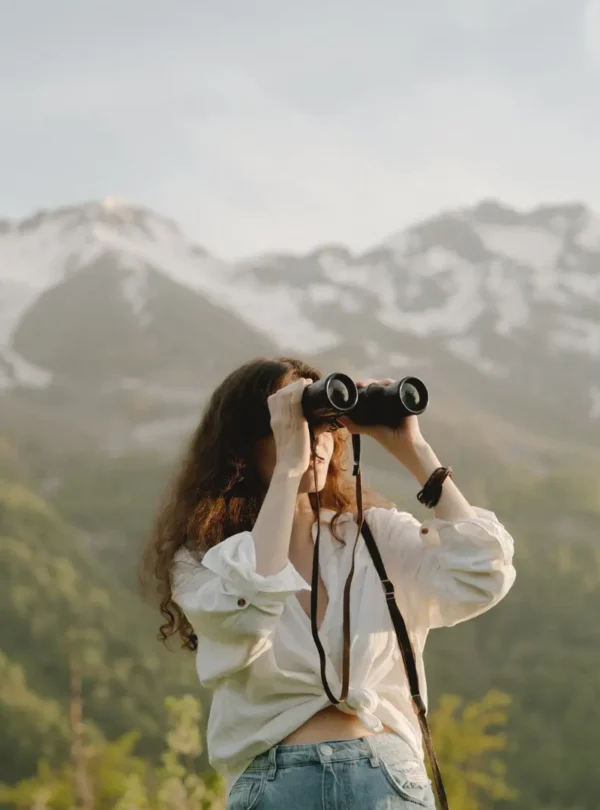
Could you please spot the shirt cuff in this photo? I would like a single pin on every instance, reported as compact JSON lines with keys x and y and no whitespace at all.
{"x":234,"y":560}
{"x":480,"y":529}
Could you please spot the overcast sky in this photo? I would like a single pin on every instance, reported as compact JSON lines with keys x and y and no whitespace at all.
{"x":280,"y":124}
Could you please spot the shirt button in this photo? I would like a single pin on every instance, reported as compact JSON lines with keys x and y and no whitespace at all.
{"x":241,"y":602}
{"x":326,"y":750}
{"x":424,"y":530}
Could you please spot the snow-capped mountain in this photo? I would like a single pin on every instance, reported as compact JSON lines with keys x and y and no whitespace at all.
{"x":515,"y":296}
{"x":492,"y":305}
{"x":104,"y":291}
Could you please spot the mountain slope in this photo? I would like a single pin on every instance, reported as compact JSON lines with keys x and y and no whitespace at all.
{"x":514,"y":296}
{"x":117,"y":292}
{"x":58,"y":599}
{"x":499,"y":311}
{"x":115,"y":320}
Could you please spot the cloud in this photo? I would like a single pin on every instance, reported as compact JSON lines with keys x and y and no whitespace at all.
{"x":286,"y":128}
{"x":591,"y":31}
{"x":471,"y":15}
{"x":290,"y":179}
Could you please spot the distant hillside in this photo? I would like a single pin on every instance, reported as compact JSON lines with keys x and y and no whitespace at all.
{"x":57,"y":597}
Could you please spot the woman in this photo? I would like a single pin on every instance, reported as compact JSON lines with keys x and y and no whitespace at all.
{"x":232,"y":553}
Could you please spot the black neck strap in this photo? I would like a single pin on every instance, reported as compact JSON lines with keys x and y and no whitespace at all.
{"x":402,"y":636}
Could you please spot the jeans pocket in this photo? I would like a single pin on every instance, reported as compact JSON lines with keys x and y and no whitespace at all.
{"x":246,"y":791}
{"x":410,"y":781}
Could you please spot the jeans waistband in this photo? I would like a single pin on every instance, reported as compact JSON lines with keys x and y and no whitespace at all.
{"x":370,"y":747}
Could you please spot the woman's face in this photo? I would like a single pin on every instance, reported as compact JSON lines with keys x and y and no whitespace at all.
{"x":267,"y":458}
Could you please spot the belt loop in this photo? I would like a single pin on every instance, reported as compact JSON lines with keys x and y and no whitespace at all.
{"x":374,"y":758}
{"x":272,"y":772}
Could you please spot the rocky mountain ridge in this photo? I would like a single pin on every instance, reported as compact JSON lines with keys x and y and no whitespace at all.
{"x":496,"y":307}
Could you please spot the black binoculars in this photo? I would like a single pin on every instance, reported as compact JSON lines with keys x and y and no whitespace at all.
{"x":337,"y":395}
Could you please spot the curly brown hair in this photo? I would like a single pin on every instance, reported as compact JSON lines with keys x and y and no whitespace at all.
{"x":218,"y":491}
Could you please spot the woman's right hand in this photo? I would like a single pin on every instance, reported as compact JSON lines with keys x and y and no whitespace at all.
{"x":290,"y":429}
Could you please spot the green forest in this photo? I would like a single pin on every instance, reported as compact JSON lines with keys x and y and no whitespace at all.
{"x":96,"y":714}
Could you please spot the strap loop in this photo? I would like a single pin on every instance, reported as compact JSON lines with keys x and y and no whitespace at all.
{"x":388,"y":588}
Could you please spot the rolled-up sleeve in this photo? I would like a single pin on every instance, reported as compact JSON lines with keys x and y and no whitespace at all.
{"x":233,"y":609}
{"x":448,"y":571}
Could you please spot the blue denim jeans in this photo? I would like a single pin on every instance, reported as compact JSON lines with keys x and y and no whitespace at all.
{"x":369,"y":773}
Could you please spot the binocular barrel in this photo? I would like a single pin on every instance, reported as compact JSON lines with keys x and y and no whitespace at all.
{"x":334,"y":395}
{"x":337,"y":395}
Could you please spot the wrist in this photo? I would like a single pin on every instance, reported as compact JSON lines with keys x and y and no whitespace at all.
{"x":420,"y":460}
{"x":287,"y":474}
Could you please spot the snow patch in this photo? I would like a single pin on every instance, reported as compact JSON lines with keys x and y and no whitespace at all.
{"x":595,"y":404}
{"x":15,"y":370}
{"x":350,"y":303}
{"x":467,"y":348}
{"x":134,"y":286}
{"x":358,"y":275}
{"x":437,"y":259}
{"x":37,"y":257}
{"x":586,"y":285}
{"x":560,"y":223}
{"x":400,"y":243}
{"x":323,"y":293}
{"x":533,"y":247}
{"x":589,"y":235}
{"x":578,"y":335}
{"x":508,"y":298}
{"x":374,"y":279}
{"x":15,"y":300}
{"x":262,"y":260}
{"x":458,"y":312}
{"x":277,"y":310}
{"x":403,"y":243}
{"x":399,"y":360}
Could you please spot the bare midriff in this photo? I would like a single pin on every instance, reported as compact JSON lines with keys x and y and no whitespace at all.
{"x":330,"y":724}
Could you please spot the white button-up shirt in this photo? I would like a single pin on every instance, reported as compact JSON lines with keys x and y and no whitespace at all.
{"x":255,"y":647}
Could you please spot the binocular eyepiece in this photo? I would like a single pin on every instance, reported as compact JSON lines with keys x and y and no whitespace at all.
{"x":337,"y":395}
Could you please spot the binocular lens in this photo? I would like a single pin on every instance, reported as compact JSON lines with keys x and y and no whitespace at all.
{"x":325,"y":399}
{"x":410,"y":396}
{"x":339,"y":395}
{"x":413,"y":395}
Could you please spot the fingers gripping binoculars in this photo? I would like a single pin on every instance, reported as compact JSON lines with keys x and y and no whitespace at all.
{"x":337,"y":395}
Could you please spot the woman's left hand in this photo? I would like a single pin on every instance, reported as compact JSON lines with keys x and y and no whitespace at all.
{"x":400,"y":440}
